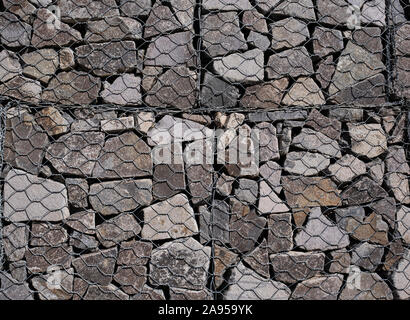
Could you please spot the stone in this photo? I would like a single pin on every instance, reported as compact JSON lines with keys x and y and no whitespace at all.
{"x":336,"y":12}
{"x":223,"y":260}
{"x":367,"y":256}
{"x":271,"y":172}
{"x":376,"y":170}
{"x":41,"y":64}
{"x":303,"y":192}
{"x":400,"y":277}
{"x":258,"y":40}
{"x":173,"y":218}
{"x":288,"y":33}
{"x":134,"y":253}
{"x":72,"y":87}
{"x":321,"y":234}
{"x":362,"y":191}
{"x":109,"y":292}
{"x":83,"y":222}
{"x":175,"y":88}
{"x":227,"y":5}
{"x":396,"y":160}
{"x":268,"y":142}
{"x":184,"y":294}
{"x":369,"y":38}
{"x":233,"y":121}
{"x":124,"y":90}
{"x":246,"y":284}
{"x":385,"y":207}
{"x":200,"y":182}
{"x":15,"y":241}
{"x":85,"y":125}
{"x":258,"y":260}
{"x":280,"y":233}
{"x":150,"y":75}
{"x":22,"y":88}
{"x":28,"y":197}
{"x":394,"y":254}
{"x":292,"y":267}
{"x":344,"y":216}
{"x":52,"y":121}
{"x":340,"y":261}
{"x":66,"y":58}
{"x":83,"y":241}
{"x":365,"y":286}
{"x":21,"y":8}
{"x":171,"y":50}
{"x":403,"y":223}
{"x":76,"y":153}
{"x":397,"y":135}
{"x":131,"y":279}
{"x":12,"y":290}
{"x":144,"y":121}
{"x":185,"y":12}
{"x":399,"y":185}
{"x":347,"y":168}
{"x":402,"y":39}
{"x":373,"y":229}
{"x":300,"y":216}
{"x":147,"y":293}
{"x":55,"y":34}
{"x":120,"y":228}
{"x":246,"y":67}
{"x":45,"y":234}
{"x":247,"y":191}
{"x":305,"y":163}
{"x":292,"y":63}
{"x":354,"y":66}
{"x":18,"y":271}
{"x":217,"y":93}
{"x":303,"y":9}
{"x":77,"y":190}
{"x":265,"y":95}
{"x":327,"y":41}
{"x":285,"y":140}
{"x":79,"y":11}
{"x":279,"y":115}
{"x":135,"y":8}
{"x":330,"y":127}
{"x":254,"y":21}
{"x":96,"y":267}
{"x":269,"y":201}
{"x":61,"y":291}
{"x":367,"y":139}
{"x":312,"y":140}
{"x":213,"y":224}
{"x":304,"y":92}
{"x":161,"y":20}
{"x":113,"y":29}
{"x":221,"y":33}
{"x":115,"y":197}
{"x":41,"y":259}
{"x":182,"y":263}
{"x":14,"y":32}
{"x":346,"y":114}
{"x":224,"y":184}
{"x":169,"y":180}
{"x":374,"y":12}
{"x":319,"y":288}
{"x":325,"y":70}
{"x":9,"y":65}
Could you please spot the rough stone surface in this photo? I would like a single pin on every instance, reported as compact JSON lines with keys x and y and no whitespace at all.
{"x":255,"y":21}
{"x":258,"y":260}
{"x":280,"y":232}
{"x":266,"y":95}
{"x":12,"y":290}
{"x":15,"y":241}
{"x":347,"y":168}
{"x":40,"y":259}
{"x":318,"y":288}
{"x":223,"y":260}
{"x":362,"y":191}
{"x":312,"y":140}
{"x":134,"y":253}
{"x":74,"y":11}
{"x":217,"y":93}
{"x":131,"y":279}
{"x":161,"y":20}
{"x":288,"y":33}
{"x":109,"y":292}
{"x":45,"y":234}
{"x":213,"y":223}
{"x":330,"y":127}
{"x":184,"y":294}
{"x":227,"y":5}
{"x":271,"y":172}
{"x":305,"y":163}
{"x":14,"y":32}
{"x":368,"y":139}
{"x":367,"y":256}
{"x":327,"y":41}
{"x":51,"y":120}
{"x":41,"y":64}
{"x":22,"y":88}
{"x":9,"y":65}
{"x":61,"y":292}
{"x":83,"y":222}
{"x":268,"y":142}
{"x":401,"y":276}
{"x":340,"y":261}
{"x":123,"y":91}
{"x":224,"y":184}
{"x":301,"y":9}
{"x":305,"y":92}
{"x":403,"y":223}
{"x":269,"y":201}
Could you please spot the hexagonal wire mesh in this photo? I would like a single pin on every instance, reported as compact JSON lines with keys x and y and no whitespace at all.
{"x":214,"y":149}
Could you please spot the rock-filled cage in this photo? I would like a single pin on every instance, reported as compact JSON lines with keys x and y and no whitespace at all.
{"x":204,"y":149}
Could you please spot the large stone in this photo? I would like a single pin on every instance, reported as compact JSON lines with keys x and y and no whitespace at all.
{"x":396,"y":160}
{"x":403,"y":223}
{"x":76,"y":153}
{"x":9,"y":65}
{"x":83,"y":222}
{"x":134,"y":8}
{"x":266,"y":95}
{"x":304,"y":92}
{"x":292,"y":63}
{"x":246,"y":284}
{"x":254,"y":21}
{"x":271,"y":172}
{"x":269,"y":201}
{"x":268,"y":142}
{"x":96,"y":267}
{"x":217,"y":93}
{"x":123,"y":91}
{"x":134,"y":253}
{"x":161,"y":20}
{"x":115,"y":197}
{"x":214,"y":223}
{"x":227,"y":5}
{"x":52,"y":121}
{"x":398,"y":183}
{"x":247,"y":191}
{"x":28,"y":197}
{"x":72,"y":87}
{"x":181,"y":263}
{"x":305,"y":163}
{"x":325,"y":70}
{"x":321,"y":234}
{"x":185,"y":12}
{"x":21,"y":8}
{"x":340,"y":261}
{"x":113,"y":29}
{"x":124,"y":156}
{"x":258,"y":260}
{"x":344,"y":216}
{"x":288,"y":33}
{"x":42,"y":259}
{"x":367,"y":139}
{"x":328,"y":126}
{"x":22,"y":88}
{"x":169,"y":180}
{"x":401,"y":277}
{"x":41,"y":64}
{"x":14,"y":32}
{"x":374,"y":12}
{"x":363,"y":191}
{"x":280,"y":232}
{"x":200,"y":176}
{"x":173,"y":218}
{"x":376,"y":170}
{"x":296,"y":8}
{"x":369,"y":38}
{"x":77,"y":189}
{"x":337,"y":12}
{"x":83,"y":10}
{"x":346,"y":114}
{"x":327,"y":41}
{"x":15,"y":238}
{"x":224,"y":184}
{"x":367,"y":256}
{"x":12,"y":290}
{"x":402,"y":39}
{"x":372,"y":229}
{"x":131,"y":279}
{"x":223,"y":260}
{"x":319,"y":288}
{"x":62,"y":290}
{"x":347,"y":168}
{"x":246,"y":67}
{"x":45,"y":234}
{"x":258,"y":40}
{"x":387,"y":208}
{"x":221,"y":33}
{"x":312,"y":140}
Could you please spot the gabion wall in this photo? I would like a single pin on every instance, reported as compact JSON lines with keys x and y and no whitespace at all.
{"x":214,"y":149}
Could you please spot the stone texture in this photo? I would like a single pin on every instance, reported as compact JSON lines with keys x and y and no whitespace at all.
{"x":83,"y":222}
{"x":305,"y":92}
{"x":374,"y":12}
{"x":184,"y":294}
{"x":144,"y":121}
{"x":223,"y":260}
{"x":77,"y":190}
{"x":269,"y":202}
{"x":399,"y":185}
{"x":247,"y":191}
{"x":45,"y":234}
{"x":41,"y":64}
{"x":280,"y":232}
{"x":181,"y":263}
{"x":347,"y":168}
{"x":367,"y":256}
{"x":288,"y":33}
{"x":305,"y":163}
{"x":266,"y":95}
{"x":254,"y":21}
{"x":268,"y":142}
{"x":336,"y":12}
{"x":113,"y":28}
{"x":367,"y":139}
{"x":362,"y":191}
{"x":258,"y":260}
{"x":83,"y":241}
{"x":61,"y":291}
{"x":134,"y":253}
{"x":22,"y":88}
{"x":114,"y":197}
{"x":76,"y":11}
{"x":213,"y":223}
{"x":109,"y":292}
{"x":66,"y":58}
{"x":387,"y":208}
{"x":327,"y":41}
{"x":217,"y":93}
{"x":9,"y":65}
{"x":271,"y":172}
{"x":123,"y":91}
{"x":369,"y":38}
{"x":169,"y":180}
{"x":325,"y":70}
{"x":18,"y":271}
{"x":41,"y":259}
{"x":15,"y":241}
{"x":372,"y":229}
{"x":135,"y":8}
{"x":403,"y":223}
{"x":401,"y":276}
{"x":147,"y":293}
{"x":161,"y":20}
{"x":52,"y":121}
{"x":319,"y":288}
{"x":312,"y":140}
{"x":21,"y":8}
{"x":330,"y":127}
{"x":14,"y":32}
{"x":301,"y":9}
{"x":258,"y":40}
{"x":224,"y":184}
{"x":340,"y":261}
{"x":131,"y":279}
{"x":12,"y":290}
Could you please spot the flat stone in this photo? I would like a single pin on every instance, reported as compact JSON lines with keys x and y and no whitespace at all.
{"x":396,"y":160}
{"x":96,"y":267}
{"x":182,"y":263}
{"x":224,"y":184}
{"x":344,"y":216}
{"x":171,"y":50}
{"x":47,"y":290}
{"x":113,"y":28}
{"x":169,"y":180}
{"x":258,"y":40}
{"x":79,"y":11}
{"x":321,"y":234}
{"x":319,"y":288}
{"x":144,"y":121}
{"x":231,"y":121}
{"x":402,"y":39}
{"x":300,"y":216}
{"x":376,"y":170}
{"x":401,"y":276}
{"x":223,"y":260}
{"x":246,"y":284}
{"x":184,"y":294}
{"x":221,"y":33}
{"x":147,"y":293}
{"x":134,"y":253}
{"x":124,"y":156}
{"x":372,"y":229}
{"x":288,"y":33}
{"x":254,"y":21}
{"x":41,"y":64}
{"x":15,"y":241}
{"x":325,"y":70}
{"x":22,"y":88}
{"x":52,"y":121}
{"x":161,"y":20}
{"x":18,"y":271}
{"x":170,"y":219}
{"x":305,"y":163}
{"x":28,"y":197}
{"x":185,"y":12}
{"x":292,"y":63}
{"x":397,"y":12}
{"x":365,"y":286}
{"x":292,"y":267}
{"x":346,"y":114}
{"x":9,"y":65}
{"x":175,"y":88}
{"x":247,"y":191}
{"x":200,"y":182}
{"x":347,"y":168}
{"x":227,"y":5}
{"x":363,"y":191}
{"x":131,"y":279}
{"x":399,"y":185}
{"x":368,"y":139}
{"x":340,"y":261}
{"x":258,"y":260}
{"x":403,"y":223}
{"x":135,"y":8}
{"x":40,"y":259}
{"x":14,"y":32}
{"x":285,"y":140}
{"x":83,"y":222}
{"x":45,"y":234}
{"x":271,"y":172}
{"x":21,"y":8}
{"x":327,"y":41}
{"x":304,"y":92}
{"x":266,"y":95}
{"x":330,"y":127}
{"x":369,"y":38}
{"x":109,"y":292}
{"x":301,"y":9}
{"x":336,"y":12}
{"x":374,"y":12}
{"x":367,"y":256}
{"x":150,"y":76}
{"x":269,"y":201}
{"x":77,"y":189}
{"x":213,"y":224}
{"x":217,"y":93}
{"x":123,"y":91}
{"x":114,"y":197}
{"x":312,"y":140}
{"x":83,"y":241}
{"x":268,"y":142}
{"x":387,"y":208}
{"x":280,"y":236}
{"x":397,"y":135}
{"x":72,"y":87}
{"x":12,"y":290}
{"x":280,"y":115}
{"x":246,"y":67}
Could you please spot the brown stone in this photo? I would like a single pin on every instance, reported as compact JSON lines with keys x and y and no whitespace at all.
{"x":280,"y":237}
{"x":169,"y":180}
{"x":39,"y":259}
{"x":363,"y":191}
{"x":132,"y":279}
{"x":134,"y":253}
{"x":319,"y":288}
{"x":223,"y":260}
{"x":44,"y":234}
{"x":340,"y":261}
{"x":372,"y":229}
{"x":14,"y":32}
{"x":327,"y":41}
{"x":258,"y":260}
{"x":22,"y":88}
{"x":15,"y":240}
{"x":328,"y":126}
{"x":83,"y":222}
{"x":266,"y":95}
{"x":109,"y":292}
{"x":52,"y":121}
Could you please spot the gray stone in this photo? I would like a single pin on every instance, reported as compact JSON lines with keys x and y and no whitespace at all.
{"x":224,"y":184}
{"x":394,"y":254}
{"x":223,"y":260}
{"x":305,"y":163}
{"x":403,"y":223}
{"x":134,"y":8}
{"x":268,"y":142}
{"x":258,"y":40}
{"x":362,"y":191}
{"x":161,"y":20}
{"x":52,"y":121}
{"x":227,"y":5}
{"x":40,"y":259}
{"x":325,"y":70}
{"x":347,"y":168}
{"x":109,"y":292}
{"x":387,"y":208}
{"x":397,"y":135}
{"x":9,"y":65}
{"x":200,"y":181}
{"x":77,"y":189}
{"x":15,"y":238}
{"x":41,"y":64}
{"x":18,"y":271}
{"x":288,"y":33}
{"x":254,"y":21}
{"x":147,"y":293}
{"x":248,"y":285}
{"x":28,"y":197}
{"x":185,"y":12}
{"x":336,"y":12}
{"x":367,"y":256}
{"x":266,"y":95}
{"x":374,"y":12}
{"x":368,"y":139}
{"x":344,"y":216}
{"x":312,"y":140}
{"x":327,"y":41}
{"x":247,"y":191}
{"x":369,"y":38}
{"x":285,"y":140}
{"x":269,"y":201}
{"x":169,"y":180}
{"x":216,"y":93}
{"x":82,"y":10}
{"x":12,"y":290}
{"x":399,"y":185}
{"x":123,"y":91}
{"x":83,"y":222}
{"x":14,"y":32}
{"x":340,"y":261}
{"x":258,"y":260}
{"x":396,"y":160}
{"x":184,"y":294}
{"x":328,"y":126}
{"x":114,"y":197}
{"x":46,"y":234}
{"x":304,"y":92}
{"x":271,"y":172}
{"x":401,"y":277}
{"x":113,"y":28}
{"x":372,"y":229}
{"x":319,"y":288}
{"x":144,"y":121}
{"x":346,"y":114}
{"x":21,"y":8}
{"x":402,"y":39}
{"x":83,"y":241}
{"x":213,"y":224}
{"x":131,"y":279}
{"x":134,"y":253}
{"x":280,"y":236}
{"x":296,"y":8}
{"x":61,"y":291}
{"x":181,"y":263}
{"x":280,"y":115}
{"x":66,"y":58}
{"x":22,"y":88}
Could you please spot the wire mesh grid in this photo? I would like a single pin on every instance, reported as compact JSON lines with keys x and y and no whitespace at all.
{"x":214,"y":149}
